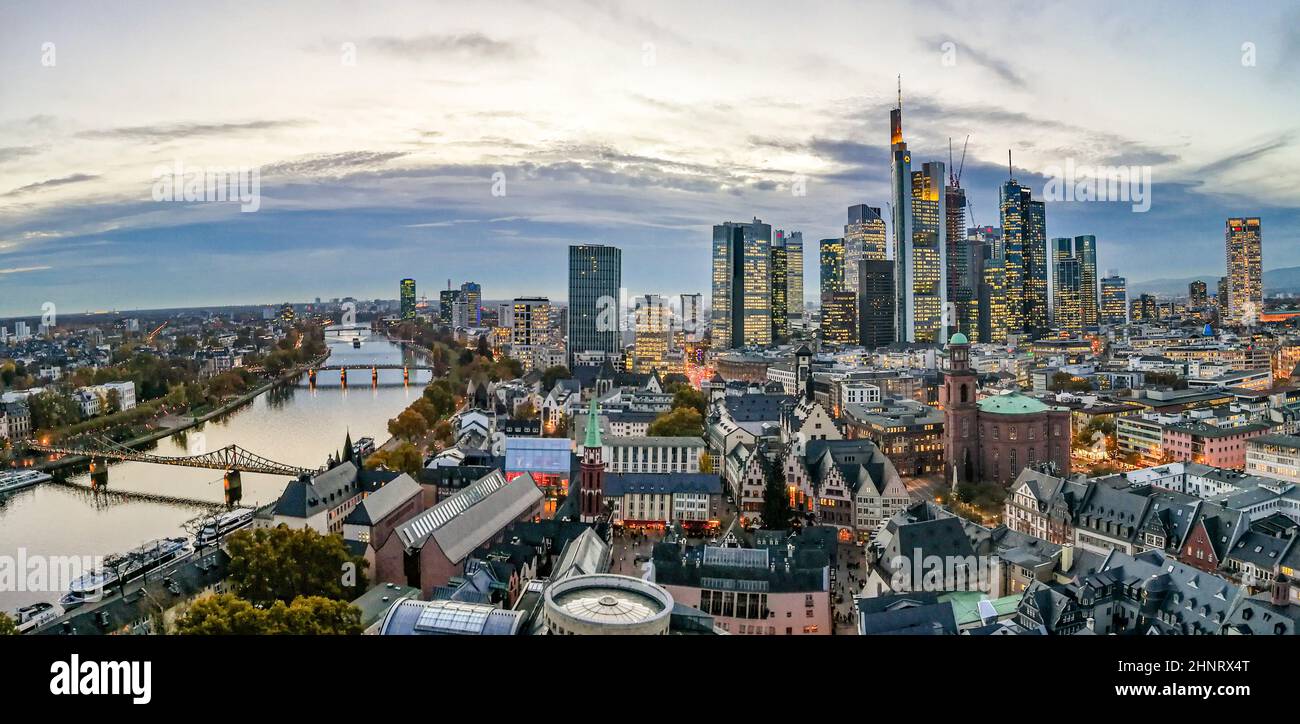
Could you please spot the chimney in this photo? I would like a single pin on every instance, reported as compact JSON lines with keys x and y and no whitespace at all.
{"x":1067,"y":556}
{"x":1280,"y":591}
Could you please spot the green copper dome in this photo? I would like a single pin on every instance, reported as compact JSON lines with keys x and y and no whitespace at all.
{"x":959,"y":338}
{"x":1012,"y":404}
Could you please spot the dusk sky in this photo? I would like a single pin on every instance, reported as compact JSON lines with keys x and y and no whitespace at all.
{"x":634,"y":124}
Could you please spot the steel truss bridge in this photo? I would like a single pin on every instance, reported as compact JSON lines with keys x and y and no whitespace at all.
{"x":363,"y":366}
{"x":230,"y":457}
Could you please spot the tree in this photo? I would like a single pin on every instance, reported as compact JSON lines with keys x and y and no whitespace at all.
{"x":483,"y":349}
{"x":777,"y":513}
{"x":408,"y":425}
{"x":404,"y":458}
{"x":7,"y":625}
{"x":227,"y":614}
{"x":1066,"y":382}
{"x":687,"y":396}
{"x":554,"y":374}
{"x":280,"y":564}
{"x":427,"y":410}
{"x":679,"y":422}
{"x":50,"y":410}
{"x":706,"y":462}
{"x":527,"y":411}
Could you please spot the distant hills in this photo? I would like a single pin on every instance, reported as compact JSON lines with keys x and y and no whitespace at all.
{"x":1284,"y":280}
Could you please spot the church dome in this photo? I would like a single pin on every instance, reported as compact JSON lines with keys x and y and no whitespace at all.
{"x":959,"y":338}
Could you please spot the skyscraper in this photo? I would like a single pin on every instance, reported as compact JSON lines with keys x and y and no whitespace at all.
{"x":1085,"y":250}
{"x":447,"y":299}
{"x":832,"y":266}
{"x":920,"y":246}
{"x":794,"y":279}
{"x":987,"y":268}
{"x":1245,"y":270}
{"x":1024,"y":248}
{"x":1114,"y":299}
{"x":864,"y":238}
{"x":406,"y":293}
{"x":652,"y":329}
{"x":840,"y":318}
{"x":532,"y":327}
{"x":1198,"y":295}
{"x":876,"y":303}
{"x":595,"y":277}
{"x":962,"y":284}
{"x":1067,"y":310}
{"x":779,"y":283}
{"x":474,"y":302}
{"x":1221,"y":298}
{"x":742,"y":292}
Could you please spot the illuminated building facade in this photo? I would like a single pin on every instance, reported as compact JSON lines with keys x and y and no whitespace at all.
{"x":742,"y":294}
{"x":779,"y":283}
{"x":472,"y":293}
{"x":1198,"y":295}
{"x":1085,"y":250}
{"x":961,"y":264}
{"x":864,"y":240}
{"x":1245,"y":270}
{"x":920,"y":245}
{"x":794,"y":277}
{"x":831,"y":255}
{"x":876,"y":303}
{"x":652,"y":329}
{"x":1024,"y":251}
{"x":1114,"y":300}
{"x":1067,"y":296}
{"x":840,"y":318}
{"x":532,"y":327}
{"x":407,"y":296}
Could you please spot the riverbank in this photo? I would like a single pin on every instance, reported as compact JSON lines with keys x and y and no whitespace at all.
{"x":186,"y":423}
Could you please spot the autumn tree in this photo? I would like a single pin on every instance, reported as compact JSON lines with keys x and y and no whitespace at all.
{"x":408,"y":425}
{"x":281,"y":564}
{"x":679,"y":422}
{"x":227,"y":614}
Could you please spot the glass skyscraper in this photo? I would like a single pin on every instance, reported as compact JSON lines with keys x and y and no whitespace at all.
{"x":1114,"y":300}
{"x":1085,"y":250}
{"x":831,"y":257}
{"x":779,"y":282}
{"x":473,"y":295}
{"x":920,"y":248}
{"x":406,"y":294}
{"x":1245,"y":266}
{"x":794,"y":276}
{"x":1067,"y":293}
{"x":1024,"y":247}
{"x":595,"y":273}
{"x":742,"y":289}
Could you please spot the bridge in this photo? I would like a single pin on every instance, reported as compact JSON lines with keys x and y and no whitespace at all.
{"x":342,"y":369}
{"x":340,"y":330}
{"x":229,"y":458}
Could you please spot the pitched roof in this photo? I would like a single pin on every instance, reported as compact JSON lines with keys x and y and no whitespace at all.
{"x":377,"y":505}
{"x":466,"y":519}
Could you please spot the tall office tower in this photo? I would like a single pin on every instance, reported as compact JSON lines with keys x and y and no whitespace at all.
{"x":986,"y":309}
{"x":962,"y":283}
{"x":595,"y":278}
{"x":864,"y":239}
{"x":474,"y":302}
{"x":779,"y":282}
{"x":920,"y":246}
{"x":993,"y":309}
{"x":876,"y":303}
{"x":1221,"y":299}
{"x":1144,"y":309}
{"x":1067,"y":309}
{"x":447,"y":299}
{"x":832,"y":266}
{"x":1024,"y":248}
{"x":692,"y":322}
{"x":1245,"y":270}
{"x":840,"y":318}
{"x":407,"y":295}
{"x":1085,"y":250}
{"x":794,"y":280}
{"x":742,"y":292}
{"x":652,"y":329}
{"x":1198,"y":295}
{"x":1114,"y":299}
{"x":927,"y":294}
{"x":532,"y":327}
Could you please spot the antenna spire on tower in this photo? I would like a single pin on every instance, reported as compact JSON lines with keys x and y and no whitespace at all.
{"x":900,"y":91}
{"x":1010,"y":174}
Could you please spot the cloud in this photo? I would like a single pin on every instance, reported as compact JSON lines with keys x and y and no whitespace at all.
{"x":1231,"y":161}
{"x":50,"y":183}
{"x":966,"y":51}
{"x":166,"y":131}
{"x":13,"y":153}
{"x":416,"y":47}
{"x":23,"y":269}
{"x":332,"y":164}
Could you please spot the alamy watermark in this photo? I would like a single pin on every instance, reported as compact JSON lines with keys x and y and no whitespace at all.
{"x":211,"y":184}
{"x":921,"y":572}
{"x":36,"y":573}
{"x":1099,"y":183}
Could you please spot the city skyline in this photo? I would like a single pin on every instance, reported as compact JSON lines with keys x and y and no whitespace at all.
{"x":352,"y":166}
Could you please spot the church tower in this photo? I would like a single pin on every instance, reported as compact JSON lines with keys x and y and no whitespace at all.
{"x":591,"y":474}
{"x":960,"y":413}
{"x":803,"y":372}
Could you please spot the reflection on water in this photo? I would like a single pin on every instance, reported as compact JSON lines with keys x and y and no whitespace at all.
{"x":294,"y":424}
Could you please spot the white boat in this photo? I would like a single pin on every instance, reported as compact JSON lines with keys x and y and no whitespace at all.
{"x":120,"y":569}
{"x":226,"y":523}
{"x":14,"y":480}
{"x":30,"y":618}
{"x":363,"y":447}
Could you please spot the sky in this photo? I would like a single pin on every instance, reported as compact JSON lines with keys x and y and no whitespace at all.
{"x":476,"y":141}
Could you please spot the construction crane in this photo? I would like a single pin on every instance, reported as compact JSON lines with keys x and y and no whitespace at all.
{"x":154,"y":334}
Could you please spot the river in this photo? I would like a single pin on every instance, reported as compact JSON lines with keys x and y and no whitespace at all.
{"x":294,"y":424}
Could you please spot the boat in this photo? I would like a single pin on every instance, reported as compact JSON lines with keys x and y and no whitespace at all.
{"x":30,"y":618}
{"x":226,"y":523}
{"x":356,"y":343}
{"x":120,"y":569}
{"x":363,"y":447}
{"x":15,"y":480}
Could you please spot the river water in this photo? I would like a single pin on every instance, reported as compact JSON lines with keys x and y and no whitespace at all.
{"x":293,"y":424}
